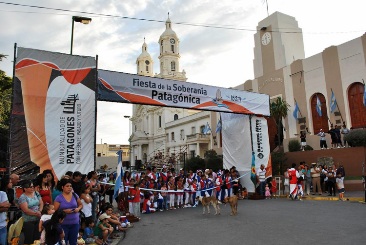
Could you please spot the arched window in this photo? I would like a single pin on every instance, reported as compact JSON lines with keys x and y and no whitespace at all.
{"x":172,"y":66}
{"x":356,"y":106}
{"x":172,"y":48}
{"x":319,"y":122}
{"x":175,"y":117}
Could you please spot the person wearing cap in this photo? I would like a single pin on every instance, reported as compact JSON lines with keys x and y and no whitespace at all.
{"x":315,"y":177}
{"x":103,"y":229}
{"x":323,"y":141}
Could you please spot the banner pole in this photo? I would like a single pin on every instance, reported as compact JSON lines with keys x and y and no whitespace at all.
{"x":95,"y":110}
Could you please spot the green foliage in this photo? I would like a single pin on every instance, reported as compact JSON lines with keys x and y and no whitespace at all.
{"x":356,"y":137}
{"x":278,"y":162}
{"x":195,"y":163}
{"x":213,"y":161}
{"x":279,"y":109}
{"x":294,"y":145}
{"x":5,"y":106}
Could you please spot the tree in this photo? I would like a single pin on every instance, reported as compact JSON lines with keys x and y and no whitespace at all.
{"x":279,"y":109}
{"x":5,"y":106}
{"x":213,"y":161}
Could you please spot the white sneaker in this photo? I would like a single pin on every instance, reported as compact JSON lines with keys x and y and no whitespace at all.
{"x":194,"y":206}
{"x":322,"y":148}
{"x":219,"y":202}
{"x":338,"y":147}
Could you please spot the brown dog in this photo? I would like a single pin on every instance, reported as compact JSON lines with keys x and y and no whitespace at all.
{"x":206,"y":201}
{"x":233,"y":201}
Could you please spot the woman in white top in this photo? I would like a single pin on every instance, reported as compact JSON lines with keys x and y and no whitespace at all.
{"x":86,"y":200}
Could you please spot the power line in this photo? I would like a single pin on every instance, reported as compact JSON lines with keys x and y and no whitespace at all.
{"x":226,"y":27}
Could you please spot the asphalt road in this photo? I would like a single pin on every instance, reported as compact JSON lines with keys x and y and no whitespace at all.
{"x":277,"y":221}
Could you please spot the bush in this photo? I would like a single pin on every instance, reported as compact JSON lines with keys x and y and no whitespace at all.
{"x":294,"y":145}
{"x":308,"y":148}
{"x":356,"y":137}
{"x":195,"y":163}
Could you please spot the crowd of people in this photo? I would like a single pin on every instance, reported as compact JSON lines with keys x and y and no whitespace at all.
{"x":314,"y":180}
{"x":71,"y":211}
{"x":75,"y":210}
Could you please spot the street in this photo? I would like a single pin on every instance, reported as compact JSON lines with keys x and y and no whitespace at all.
{"x":276,"y":221}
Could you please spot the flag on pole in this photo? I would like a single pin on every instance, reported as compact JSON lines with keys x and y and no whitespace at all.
{"x":253,"y":175}
{"x":218,"y":126}
{"x":318,"y":106}
{"x":333,"y":103}
{"x":206,"y":129}
{"x":364,"y":95}
{"x":296,"y":111}
{"x":119,"y":175}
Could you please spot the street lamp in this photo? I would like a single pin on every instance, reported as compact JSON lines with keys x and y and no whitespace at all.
{"x":130,"y":150}
{"x":83,"y":20}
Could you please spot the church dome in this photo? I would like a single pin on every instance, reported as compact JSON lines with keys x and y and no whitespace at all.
{"x":144,"y":54}
{"x":168,"y":30}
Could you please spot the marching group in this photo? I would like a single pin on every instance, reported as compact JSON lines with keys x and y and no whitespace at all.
{"x":319,"y":179}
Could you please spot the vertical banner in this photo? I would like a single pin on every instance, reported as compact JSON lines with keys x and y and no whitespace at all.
{"x":237,"y":149}
{"x":53,"y":116}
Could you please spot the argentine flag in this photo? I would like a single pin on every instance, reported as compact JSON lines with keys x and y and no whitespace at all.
{"x":119,"y":175}
{"x":296,"y":111}
{"x":318,"y":106}
{"x":218,"y":126}
{"x":333,"y":103}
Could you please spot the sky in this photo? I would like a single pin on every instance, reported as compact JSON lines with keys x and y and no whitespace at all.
{"x":220,"y":55}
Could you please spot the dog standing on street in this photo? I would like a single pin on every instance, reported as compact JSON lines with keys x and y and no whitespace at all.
{"x":206,"y":201}
{"x":233,"y":201}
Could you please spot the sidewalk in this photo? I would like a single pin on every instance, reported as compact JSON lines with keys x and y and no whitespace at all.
{"x":353,"y":196}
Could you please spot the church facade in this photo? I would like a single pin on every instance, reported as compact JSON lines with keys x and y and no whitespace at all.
{"x":280,"y":70}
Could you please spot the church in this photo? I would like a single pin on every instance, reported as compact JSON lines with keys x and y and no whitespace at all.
{"x":328,"y":89}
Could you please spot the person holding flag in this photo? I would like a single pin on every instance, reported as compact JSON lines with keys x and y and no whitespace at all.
{"x":118,"y":187}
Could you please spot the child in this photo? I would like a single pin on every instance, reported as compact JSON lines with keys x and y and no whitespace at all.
{"x":194,"y":192}
{"x":53,"y":230}
{"x":47,"y":212}
{"x":340,"y":187}
{"x":171,"y":187}
{"x":88,"y":235}
{"x":267,"y":193}
{"x":164,"y":194}
{"x":147,"y":205}
{"x":274,"y":188}
{"x":244,"y":193}
{"x":86,"y":200}
{"x":103,"y":229}
{"x":80,"y":240}
{"x":179,"y":193}
{"x":136,"y":200}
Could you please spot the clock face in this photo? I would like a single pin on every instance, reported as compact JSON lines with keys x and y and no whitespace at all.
{"x":147,"y":62}
{"x":172,"y":41}
{"x":266,"y":38}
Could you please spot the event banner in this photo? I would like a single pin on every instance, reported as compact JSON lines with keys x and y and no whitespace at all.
{"x":129,"y":88}
{"x":53,"y":114}
{"x":237,"y":145}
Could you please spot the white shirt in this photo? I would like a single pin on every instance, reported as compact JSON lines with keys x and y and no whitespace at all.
{"x":261,"y":174}
{"x":3,"y":198}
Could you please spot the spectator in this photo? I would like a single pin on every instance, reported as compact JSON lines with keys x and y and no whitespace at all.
{"x":331,"y":181}
{"x":94,"y":188}
{"x":43,"y":188}
{"x":307,"y":180}
{"x":53,"y":228}
{"x":323,"y":141}
{"x":77,"y":184}
{"x":4,"y":206}
{"x":71,"y":204}
{"x":286,"y":183}
{"x":315,"y":177}
{"x":261,"y":179}
{"x":303,"y":140}
{"x":344,"y":132}
{"x":31,"y":204}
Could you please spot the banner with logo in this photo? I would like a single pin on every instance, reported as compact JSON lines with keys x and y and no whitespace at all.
{"x":237,"y":145}
{"x":129,"y":88}
{"x":53,"y":114}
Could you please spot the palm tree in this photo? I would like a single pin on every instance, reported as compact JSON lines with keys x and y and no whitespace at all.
{"x":279,"y":109}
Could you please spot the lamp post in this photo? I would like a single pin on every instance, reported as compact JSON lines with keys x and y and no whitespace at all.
{"x":130,"y":150}
{"x":83,"y":20}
